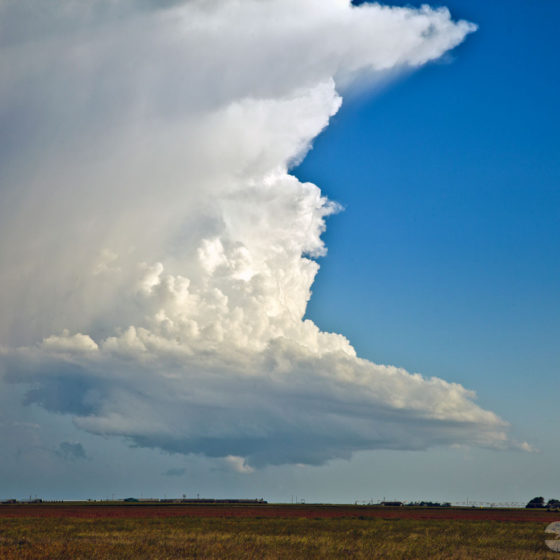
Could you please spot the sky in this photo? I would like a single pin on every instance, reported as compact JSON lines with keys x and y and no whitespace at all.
{"x":242,"y":260}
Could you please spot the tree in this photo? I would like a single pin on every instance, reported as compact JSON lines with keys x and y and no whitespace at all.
{"x":536,"y":503}
{"x":553,"y":504}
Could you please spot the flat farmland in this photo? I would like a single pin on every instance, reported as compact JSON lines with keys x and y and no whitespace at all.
{"x":173,"y":531}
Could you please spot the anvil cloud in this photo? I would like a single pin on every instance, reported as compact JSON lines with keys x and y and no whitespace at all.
{"x":157,"y":254}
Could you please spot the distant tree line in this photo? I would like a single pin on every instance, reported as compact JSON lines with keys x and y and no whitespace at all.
{"x":539,"y":502}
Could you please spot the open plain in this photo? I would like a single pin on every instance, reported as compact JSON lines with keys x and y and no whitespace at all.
{"x":107,"y":531}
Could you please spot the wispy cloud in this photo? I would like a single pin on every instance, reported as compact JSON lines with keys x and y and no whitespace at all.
{"x":71,"y":451}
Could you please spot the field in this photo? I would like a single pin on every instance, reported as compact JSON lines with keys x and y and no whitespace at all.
{"x":101,"y":531}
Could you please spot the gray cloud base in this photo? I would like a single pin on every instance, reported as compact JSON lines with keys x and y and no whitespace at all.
{"x":282,"y":406}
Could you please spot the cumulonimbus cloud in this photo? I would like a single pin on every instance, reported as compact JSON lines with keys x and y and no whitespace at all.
{"x":157,"y":255}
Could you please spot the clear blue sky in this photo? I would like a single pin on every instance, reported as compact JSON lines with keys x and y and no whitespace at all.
{"x":445,"y":260}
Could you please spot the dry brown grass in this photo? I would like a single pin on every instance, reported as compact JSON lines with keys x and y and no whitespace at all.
{"x":268,"y":538}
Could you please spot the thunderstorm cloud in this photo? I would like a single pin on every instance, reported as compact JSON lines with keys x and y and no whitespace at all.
{"x":157,"y":256}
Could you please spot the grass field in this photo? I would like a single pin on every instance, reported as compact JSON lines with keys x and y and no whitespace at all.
{"x":52,"y":532}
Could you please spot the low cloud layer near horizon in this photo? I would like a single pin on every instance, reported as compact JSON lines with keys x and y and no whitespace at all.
{"x":157,"y":255}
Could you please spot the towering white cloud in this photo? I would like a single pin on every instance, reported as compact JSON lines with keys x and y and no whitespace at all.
{"x":157,"y":255}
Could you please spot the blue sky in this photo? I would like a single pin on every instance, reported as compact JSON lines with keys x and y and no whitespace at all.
{"x":445,"y":259}
{"x":148,"y":340}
